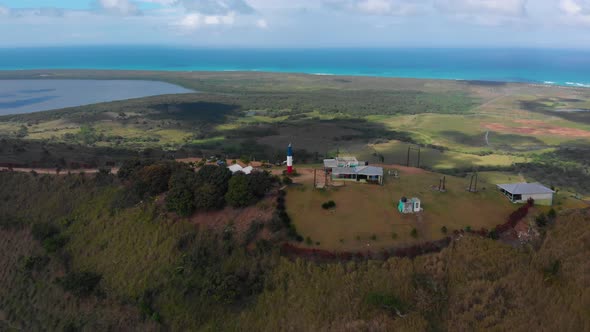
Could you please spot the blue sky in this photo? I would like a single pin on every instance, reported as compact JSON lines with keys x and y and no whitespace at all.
{"x":298,"y":23}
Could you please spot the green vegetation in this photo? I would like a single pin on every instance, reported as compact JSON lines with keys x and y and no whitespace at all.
{"x":170,"y":246}
{"x":328,"y":205}
{"x":459,"y":125}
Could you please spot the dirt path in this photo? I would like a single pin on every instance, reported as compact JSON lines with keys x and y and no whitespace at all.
{"x":53,"y":171}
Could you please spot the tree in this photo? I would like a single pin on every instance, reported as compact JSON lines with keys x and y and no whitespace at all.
{"x":180,"y":198}
{"x":238,"y":193}
{"x":259,"y":183}
{"x":414,"y":233}
{"x":23,"y":131}
{"x":153,"y":179}
{"x":212,"y":180}
{"x":208,"y":197}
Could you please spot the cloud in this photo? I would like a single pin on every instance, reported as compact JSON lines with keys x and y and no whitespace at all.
{"x":575,"y":11}
{"x":515,"y":8}
{"x":484,"y":12}
{"x":118,"y":7}
{"x":262,"y":24}
{"x":217,"y":7}
{"x":380,"y":7}
{"x":161,"y":2}
{"x":31,"y":12}
{"x":194,"y":21}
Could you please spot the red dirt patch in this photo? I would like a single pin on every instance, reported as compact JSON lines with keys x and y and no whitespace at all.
{"x":241,"y":218}
{"x":540,"y":128}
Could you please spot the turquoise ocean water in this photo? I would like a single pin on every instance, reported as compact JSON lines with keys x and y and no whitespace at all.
{"x":549,"y":66}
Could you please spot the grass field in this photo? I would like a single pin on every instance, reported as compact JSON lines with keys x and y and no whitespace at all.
{"x":366,"y":212}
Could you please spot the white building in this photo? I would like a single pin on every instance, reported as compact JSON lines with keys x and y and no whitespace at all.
{"x":237,"y":168}
{"x":521,"y":192}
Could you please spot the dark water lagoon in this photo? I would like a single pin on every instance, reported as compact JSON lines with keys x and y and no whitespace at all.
{"x":26,"y":96}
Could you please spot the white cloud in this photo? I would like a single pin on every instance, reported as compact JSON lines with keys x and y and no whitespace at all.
{"x":262,"y":24}
{"x":161,"y":2}
{"x":575,"y":12}
{"x":389,"y":7}
{"x":380,"y":7}
{"x":570,"y":7}
{"x":190,"y":22}
{"x":194,"y":21}
{"x":4,"y":11}
{"x":119,"y":7}
{"x":514,"y":8}
{"x":217,"y":7}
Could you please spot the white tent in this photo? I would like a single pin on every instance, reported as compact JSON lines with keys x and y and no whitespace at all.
{"x":237,"y":168}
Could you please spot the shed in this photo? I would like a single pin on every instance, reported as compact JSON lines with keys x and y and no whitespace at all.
{"x":412,"y":205}
{"x":522,"y":192}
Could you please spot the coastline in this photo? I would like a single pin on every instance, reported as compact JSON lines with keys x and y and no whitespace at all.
{"x":165,"y":75}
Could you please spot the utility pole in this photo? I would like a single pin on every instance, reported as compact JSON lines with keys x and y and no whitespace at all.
{"x":410,"y":149}
{"x":473,"y":182}
{"x":314,"y":178}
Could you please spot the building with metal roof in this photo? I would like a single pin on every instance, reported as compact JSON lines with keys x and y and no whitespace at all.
{"x":370,"y":174}
{"x":341,"y":162}
{"x":522,"y":192}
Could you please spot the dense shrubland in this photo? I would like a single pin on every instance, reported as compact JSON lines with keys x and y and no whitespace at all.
{"x":137,"y":268}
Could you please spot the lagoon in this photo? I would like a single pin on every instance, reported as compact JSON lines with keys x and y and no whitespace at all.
{"x":27,"y":96}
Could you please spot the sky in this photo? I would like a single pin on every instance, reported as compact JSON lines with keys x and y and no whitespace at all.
{"x":297,"y":23}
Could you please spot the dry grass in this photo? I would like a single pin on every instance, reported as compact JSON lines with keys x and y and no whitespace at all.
{"x":366,"y":210}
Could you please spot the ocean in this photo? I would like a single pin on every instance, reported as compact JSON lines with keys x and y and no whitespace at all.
{"x":548,"y":66}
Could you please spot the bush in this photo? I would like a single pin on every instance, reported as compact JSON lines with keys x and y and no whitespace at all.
{"x":374,"y":237}
{"x":444,"y":229}
{"x":468,"y":228}
{"x":43,"y":231}
{"x":414,"y":233}
{"x":80,"y":283}
{"x":551,"y":272}
{"x":386,"y":301}
{"x":238,"y":193}
{"x":494,"y":235}
{"x":329,"y":205}
{"x":552,"y":214}
{"x":287,"y":180}
{"x":394,"y":235}
{"x":541,"y":220}
{"x":54,"y":243}
{"x":253,"y":230}
{"x":308,"y":241}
